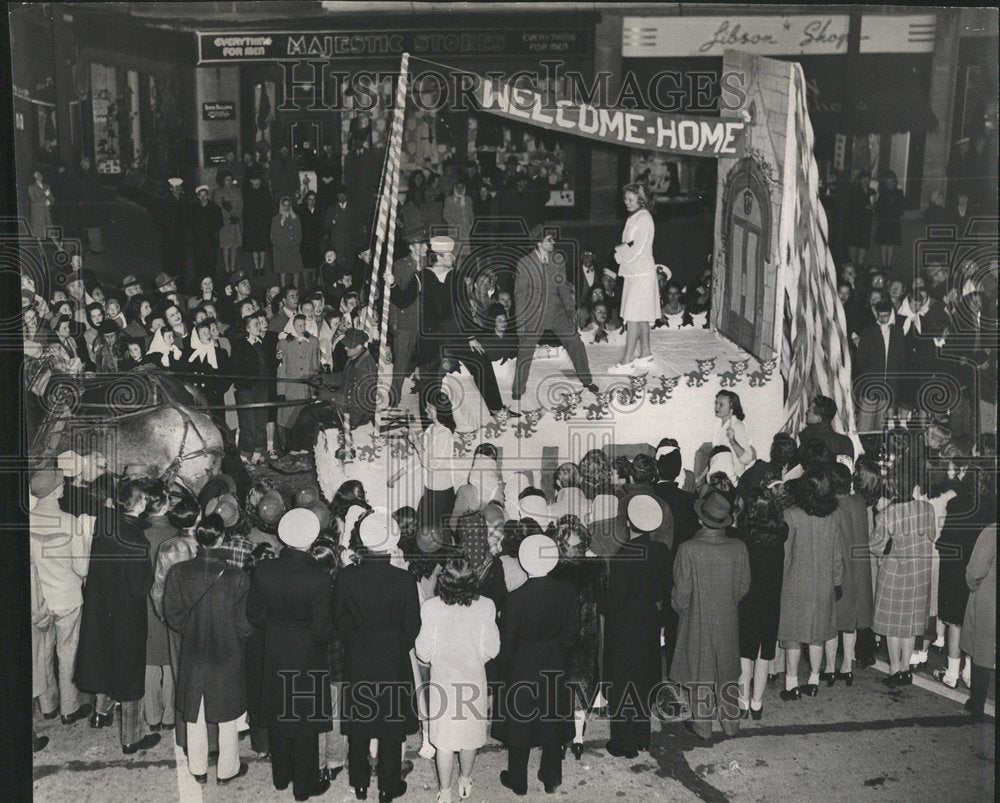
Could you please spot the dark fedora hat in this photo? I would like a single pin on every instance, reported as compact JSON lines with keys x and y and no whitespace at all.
{"x":714,"y":510}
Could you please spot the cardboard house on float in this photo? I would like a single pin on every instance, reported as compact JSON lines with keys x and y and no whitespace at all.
{"x":775,"y":281}
{"x":778,"y":333}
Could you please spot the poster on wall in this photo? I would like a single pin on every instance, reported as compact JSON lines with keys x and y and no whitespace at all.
{"x":104,"y":95}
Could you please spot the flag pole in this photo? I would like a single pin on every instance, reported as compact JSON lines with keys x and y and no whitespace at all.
{"x":385,"y":237}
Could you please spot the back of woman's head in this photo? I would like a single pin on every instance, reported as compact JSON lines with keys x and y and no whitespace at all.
{"x":185,"y":513}
{"x":622,"y":467}
{"x":210,"y":530}
{"x":327,"y":553}
{"x":814,"y":495}
{"x":815,"y":454}
{"x":595,"y":465}
{"x":350,"y":492}
{"x":761,"y":515}
{"x":406,"y":518}
{"x":867,"y":480}
{"x":784,"y":452}
{"x":840,"y":478}
{"x":487,"y":450}
{"x":457,"y":583}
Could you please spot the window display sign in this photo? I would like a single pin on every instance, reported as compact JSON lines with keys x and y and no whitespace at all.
{"x":218,"y":110}
{"x":214,"y":151}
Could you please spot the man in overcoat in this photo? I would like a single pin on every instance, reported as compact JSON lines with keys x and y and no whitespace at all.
{"x":291,"y":599}
{"x":111,"y":659}
{"x":205,"y":601}
{"x":711,"y":576}
{"x":544,"y":300}
{"x":377,"y":616}
{"x":540,"y":624}
{"x":631,"y":604}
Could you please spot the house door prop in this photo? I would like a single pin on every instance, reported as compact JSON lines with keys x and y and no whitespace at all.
{"x":774,"y":279}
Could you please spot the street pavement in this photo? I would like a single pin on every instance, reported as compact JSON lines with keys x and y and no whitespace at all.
{"x":865,"y":742}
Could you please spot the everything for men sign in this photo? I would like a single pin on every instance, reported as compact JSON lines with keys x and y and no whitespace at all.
{"x":225,"y":48}
{"x":670,"y":133}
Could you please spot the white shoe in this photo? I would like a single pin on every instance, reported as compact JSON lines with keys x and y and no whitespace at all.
{"x":427,"y":751}
{"x":464,"y":787}
{"x":622,"y":368}
{"x":644,"y":360}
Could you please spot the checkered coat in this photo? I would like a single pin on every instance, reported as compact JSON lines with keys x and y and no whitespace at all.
{"x":903,"y":585}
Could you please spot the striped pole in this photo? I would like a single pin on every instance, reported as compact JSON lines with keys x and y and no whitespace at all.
{"x":387,"y":235}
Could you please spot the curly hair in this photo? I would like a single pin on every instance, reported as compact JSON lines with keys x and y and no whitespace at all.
{"x":815,"y":454}
{"x":327,"y":554}
{"x":457,"y":583}
{"x":813,"y":494}
{"x":562,"y":531}
{"x":622,"y":467}
{"x":761,"y":521}
{"x":347,"y":494}
{"x":595,"y":466}
{"x":514,"y":532}
{"x":644,"y":469}
{"x":867,"y":480}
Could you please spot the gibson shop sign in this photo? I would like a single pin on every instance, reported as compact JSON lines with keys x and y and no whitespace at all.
{"x":668,"y":133}
{"x":223,"y":48}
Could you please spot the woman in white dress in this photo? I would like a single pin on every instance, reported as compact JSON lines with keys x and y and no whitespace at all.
{"x":731,"y":431}
{"x":640,"y":304}
{"x":458,"y":635}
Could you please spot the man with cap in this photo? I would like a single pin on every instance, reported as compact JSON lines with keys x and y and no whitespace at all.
{"x":376,"y":609}
{"x":631,"y":603}
{"x":345,"y":399}
{"x":131,"y":286}
{"x":238,"y":290}
{"x":206,"y":221}
{"x":711,"y":575}
{"x":111,"y":660}
{"x":59,"y":544}
{"x":404,"y":308}
{"x":175,"y":227}
{"x":205,"y":601}
{"x":545,"y":302}
{"x":539,"y":626}
{"x":291,"y":599}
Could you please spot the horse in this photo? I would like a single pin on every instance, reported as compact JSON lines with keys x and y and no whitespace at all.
{"x":143,"y":422}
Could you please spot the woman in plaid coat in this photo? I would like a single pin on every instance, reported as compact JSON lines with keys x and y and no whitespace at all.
{"x":903,"y":537}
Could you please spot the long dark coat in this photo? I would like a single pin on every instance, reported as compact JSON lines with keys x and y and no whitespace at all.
{"x":175,"y":224}
{"x":257,"y":211}
{"x":376,"y":611}
{"x":208,"y":609}
{"x":205,"y":224}
{"x":632,"y":619}
{"x":761,"y":607}
{"x":855,"y":607}
{"x":539,"y":627}
{"x":111,"y":658}
{"x":290,"y":598}
{"x":711,"y":575}
{"x":157,"y":646}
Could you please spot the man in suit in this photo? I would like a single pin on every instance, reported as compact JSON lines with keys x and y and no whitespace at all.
{"x":343,"y":232}
{"x":291,"y":599}
{"x":376,"y":610}
{"x":250,"y":362}
{"x":545,"y":302}
{"x":404,"y":309}
{"x":819,"y":427}
{"x":881,"y":360}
